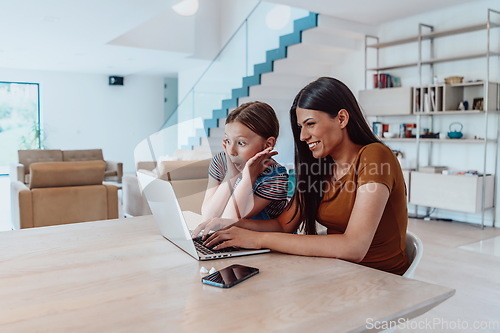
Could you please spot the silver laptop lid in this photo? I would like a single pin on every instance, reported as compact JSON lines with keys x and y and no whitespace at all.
{"x":167,"y":212}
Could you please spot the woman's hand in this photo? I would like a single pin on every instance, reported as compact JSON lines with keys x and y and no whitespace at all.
{"x":257,"y":164}
{"x":234,"y":236}
{"x":213,"y":224}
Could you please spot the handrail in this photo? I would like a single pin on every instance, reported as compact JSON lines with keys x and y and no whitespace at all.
{"x":212,"y":62}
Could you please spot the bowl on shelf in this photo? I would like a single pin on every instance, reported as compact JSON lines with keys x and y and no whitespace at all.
{"x":453,"y":79}
{"x":389,"y":135}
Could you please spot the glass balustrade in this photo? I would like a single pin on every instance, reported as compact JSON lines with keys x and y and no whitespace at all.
{"x":247,"y":47}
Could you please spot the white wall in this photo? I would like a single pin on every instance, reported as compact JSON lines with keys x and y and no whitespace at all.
{"x":207,"y":36}
{"x":458,"y":156}
{"x":81,"y":111}
{"x":233,"y":12}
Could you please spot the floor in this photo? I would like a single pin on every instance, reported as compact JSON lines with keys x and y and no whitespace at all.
{"x":456,"y":255}
{"x":465,"y":258}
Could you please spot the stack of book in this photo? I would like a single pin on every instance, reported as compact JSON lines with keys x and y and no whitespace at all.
{"x":386,"y":81}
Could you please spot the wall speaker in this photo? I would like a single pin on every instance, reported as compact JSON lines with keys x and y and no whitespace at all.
{"x":116,"y":80}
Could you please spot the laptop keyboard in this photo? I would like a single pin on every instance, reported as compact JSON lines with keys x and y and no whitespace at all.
{"x":198,"y":243}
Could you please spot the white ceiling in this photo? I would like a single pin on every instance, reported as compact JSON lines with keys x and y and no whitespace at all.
{"x":371,"y":11}
{"x":122,"y":37}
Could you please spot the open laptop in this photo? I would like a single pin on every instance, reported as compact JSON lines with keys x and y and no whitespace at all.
{"x":172,"y":222}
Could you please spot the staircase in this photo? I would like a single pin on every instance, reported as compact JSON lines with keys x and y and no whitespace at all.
{"x":315,"y":46}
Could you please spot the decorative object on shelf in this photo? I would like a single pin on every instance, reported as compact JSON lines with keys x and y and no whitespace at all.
{"x":478,"y":104}
{"x":466,"y":105}
{"x":430,"y":135}
{"x":469,"y":173}
{"x":454,"y":134}
{"x":402,"y":130}
{"x":401,"y":157}
{"x":427,"y":104}
{"x":389,"y":135}
{"x":453,"y":79}
{"x":410,"y":130}
{"x":461,"y":106}
{"x":377,"y":128}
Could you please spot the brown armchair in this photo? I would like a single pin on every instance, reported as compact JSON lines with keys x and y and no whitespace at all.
{"x":114,"y":170}
{"x":63,"y":192}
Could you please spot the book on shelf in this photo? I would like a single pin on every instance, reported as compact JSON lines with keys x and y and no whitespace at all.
{"x":376,"y":80}
{"x":417,"y":100}
{"x":433,"y":100}
{"x":426,"y":102}
{"x":384,"y":80}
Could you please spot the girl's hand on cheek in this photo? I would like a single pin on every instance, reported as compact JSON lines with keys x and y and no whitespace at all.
{"x":257,"y":164}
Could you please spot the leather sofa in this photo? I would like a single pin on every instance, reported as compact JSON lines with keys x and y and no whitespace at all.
{"x":61,"y":193}
{"x":114,"y":170}
{"x":188,"y":178}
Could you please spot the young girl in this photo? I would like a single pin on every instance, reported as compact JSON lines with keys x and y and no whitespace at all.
{"x":244,"y":181}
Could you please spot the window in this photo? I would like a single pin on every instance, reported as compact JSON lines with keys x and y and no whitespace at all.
{"x":19,"y":120}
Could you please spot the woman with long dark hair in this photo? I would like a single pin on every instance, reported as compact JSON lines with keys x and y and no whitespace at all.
{"x":346,"y":180}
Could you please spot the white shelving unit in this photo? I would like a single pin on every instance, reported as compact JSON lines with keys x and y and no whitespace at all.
{"x":433,"y":99}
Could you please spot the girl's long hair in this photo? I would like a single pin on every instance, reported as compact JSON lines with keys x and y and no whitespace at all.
{"x":328,"y":95}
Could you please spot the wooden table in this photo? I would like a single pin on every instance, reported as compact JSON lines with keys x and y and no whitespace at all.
{"x":123,"y":276}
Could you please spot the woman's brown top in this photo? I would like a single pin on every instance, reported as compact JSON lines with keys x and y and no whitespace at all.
{"x":375,"y":163}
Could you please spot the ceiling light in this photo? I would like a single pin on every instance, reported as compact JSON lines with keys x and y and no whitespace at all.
{"x":278,"y":17}
{"x":186,"y":7}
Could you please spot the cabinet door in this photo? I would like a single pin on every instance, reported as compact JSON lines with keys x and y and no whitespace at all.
{"x":386,"y":102}
{"x":460,"y":193}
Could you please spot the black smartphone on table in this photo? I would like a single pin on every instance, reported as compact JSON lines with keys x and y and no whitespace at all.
{"x":230,"y":276}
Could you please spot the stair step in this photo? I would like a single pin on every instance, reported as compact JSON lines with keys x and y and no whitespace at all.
{"x":334,"y":25}
{"x":188,"y":154}
{"x":312,"y":39}
{"x":306,"y":22}
{"x":286,"y":80}
{"x":319,"y":54}
{"x":212,"y":140}
{"x":213,"y":149}
{"x":280,"y":105}
{"x":217,"y":131}
{"x":273,"y":101}
{"x":302,"y":67}
{"x":265,"y":92}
